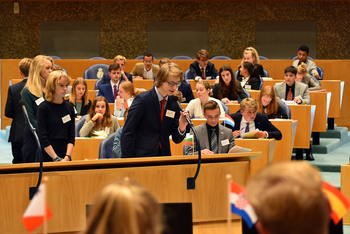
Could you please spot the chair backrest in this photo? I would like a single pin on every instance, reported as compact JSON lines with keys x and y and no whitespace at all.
{"x":96,"y":71}
{"x":181,"y":57}
{"x":285,"y":107}
{"x":226,"y":109}
{"x":98,"y":57}
{"x":247,"y":93}
{"x":55,"y":57}
{"x":261,"y":83}
{"x":236,"y":74}
{"x":266,"y":73}
{"x":141,"y":57}
{"x":316,"y":80}
{"x":263,"y":57}
{"x":296,"y":57}
{"x":106,"y":147}
{"x":97,"y":83}
{"x":187,"y":74}
{"x":79,"y":124}
{"x":320,"y":72}
{"x":221,"y":57}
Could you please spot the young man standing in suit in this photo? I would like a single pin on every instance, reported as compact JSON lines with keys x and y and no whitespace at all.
{"x":291,"y":90}
{"x":202,"y":68}
{"x":121,"y":60}
{"x":154,"y":116}
{"x":214,"y":138}
{"x":145,"y":70}
{"x":14,"y":111}
{"x":303,"y":54}
{"x":248,"y":120}
{"x":111,"y":88}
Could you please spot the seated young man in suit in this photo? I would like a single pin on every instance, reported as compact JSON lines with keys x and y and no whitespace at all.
{"x":291,"y":90}
{"x":202,"y":69}
{"x":248,"y":120}
{"x":303,"y":54}
{"x":111,"y":88}
{"x":154,"y":116}
{"x":121,"y":60}
{"x":287,"y":197}
{"x":214,"y":138}
{"x":145,"y":70}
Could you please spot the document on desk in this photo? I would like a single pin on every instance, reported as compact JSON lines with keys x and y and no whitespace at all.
{"x":250,"y":134}
{"x":238,"y":149}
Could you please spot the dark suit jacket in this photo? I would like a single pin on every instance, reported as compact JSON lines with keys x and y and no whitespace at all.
{"x":186,"y":90}
{"x":14,"y":111}
{"x":106,"y":91}
{"x":210,"y":70}
{"x":261,"y":122}
{"x":106,"y":78}
{"x":84,"y":109}
{"x":254,"y":83}
{"x":143,"y":131}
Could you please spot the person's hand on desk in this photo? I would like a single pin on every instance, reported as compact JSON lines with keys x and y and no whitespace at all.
{"x":297,"y":100}
{"x":182,"y":120}
{"x":225,"y":100}
{"x":317,"y":76}
{"x":206,"y":152}
{"x":236,"y":133}
{"x":261,"y":134}
{"x":79,"y":116}
{"x":138,"y":78}
{"x":66,"y":159}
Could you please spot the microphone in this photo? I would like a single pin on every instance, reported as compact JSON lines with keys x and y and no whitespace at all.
{"x":176,"y":99}
{"x":22,"y":104}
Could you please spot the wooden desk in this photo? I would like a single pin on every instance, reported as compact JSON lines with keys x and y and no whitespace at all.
{"x":143,"y":84}
{"x":92,"y":94}
{"x":337,"y":89}
{"x":86,"y":148}
{"x":345,"y":188}
{"x":233,"y":108}
{"x":254,"y":93}
{"x":322,"y":101}
{"x":73,"y":185}
{"x":271,"y":82}
{"x":305,"y":115}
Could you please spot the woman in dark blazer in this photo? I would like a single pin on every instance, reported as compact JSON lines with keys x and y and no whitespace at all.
{"x":250,"y":76}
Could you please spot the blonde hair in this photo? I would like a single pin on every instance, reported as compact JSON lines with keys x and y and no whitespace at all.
{"x":34,"y":82}
{"x":206,"y":86}
{"x":168,"y":69}
{"x":119,"y":57}
{"x":301,"y":69}
{"x":24,"y":66}
{"x":129,"y":87}
{"x":202,"y":54}
{"x":125,"y":208}
{"x":287,"y":198}
{"x":248,"y":102}
{"x":52,"y":82}
{"x":272,"y":108}
{"x":72,"y":95}
{"x":179,"y":95}
{"x":253,"y":52}
{"x":163,"y":61}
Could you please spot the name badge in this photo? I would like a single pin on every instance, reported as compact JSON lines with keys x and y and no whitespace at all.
{"x":66,"y":119}
{"x":225,"y":142}
{"x":170,"y":114}
{"x":39,"y":101}
{"x":247,"y":86}
{"x":107,"y":130}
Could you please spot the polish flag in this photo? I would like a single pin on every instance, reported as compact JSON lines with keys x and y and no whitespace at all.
{"x":35,"y":213}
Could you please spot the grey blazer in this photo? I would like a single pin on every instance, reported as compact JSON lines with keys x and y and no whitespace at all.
{"x":301,"y":90}
{"x":224,"y":134}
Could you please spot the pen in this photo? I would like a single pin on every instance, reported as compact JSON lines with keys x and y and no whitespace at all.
{"x":242,"y":129}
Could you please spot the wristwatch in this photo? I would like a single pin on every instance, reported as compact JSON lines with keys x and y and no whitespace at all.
{"x":70,"y":159}
{"x":57,"y":159}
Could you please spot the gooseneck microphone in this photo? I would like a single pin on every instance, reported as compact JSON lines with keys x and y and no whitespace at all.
{"x":191,"y":181}
{"x":33,"y":190}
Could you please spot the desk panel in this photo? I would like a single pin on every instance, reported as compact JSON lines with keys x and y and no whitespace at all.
{"x":337,"y":89}
{"x":345,"y":189}
{"x":322,"y":101}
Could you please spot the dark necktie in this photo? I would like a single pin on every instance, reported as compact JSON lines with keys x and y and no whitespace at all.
{"x":162,"y":102}
{"x":214,"y":142}
{"x":247,"y":128}
{"x":203,"y":75}
{"x":290,"y":95}
{"x":115,"y":91}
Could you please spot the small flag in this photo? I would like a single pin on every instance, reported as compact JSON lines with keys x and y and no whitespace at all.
{"x":240,"y":205}
{"x":127,"y":103}
{"x":34,"y":215}
{"x":188,"y":140}
{"x":229,"y":121}
{"x":338,"y":202}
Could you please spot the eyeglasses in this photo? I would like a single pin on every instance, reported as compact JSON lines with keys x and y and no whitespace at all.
{"x":172,"y":84}
{"x":149,"y":62}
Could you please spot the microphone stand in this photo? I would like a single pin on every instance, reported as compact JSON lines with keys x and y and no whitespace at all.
{"x":33,"y":190}
{"x":191,"y":181}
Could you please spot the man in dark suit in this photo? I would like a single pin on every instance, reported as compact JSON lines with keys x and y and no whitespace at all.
{"x":154,"y":116}
{"x":121,"y":60}
{"x":202,"y":69}
{"x":14,"y":111}
{"x":214,"y":138}
{"x":248,"y":120}
{"x":111,"y":88}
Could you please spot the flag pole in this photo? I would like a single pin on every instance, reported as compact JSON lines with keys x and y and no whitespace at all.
{"x":45,"y":180}
{"x":228,"y":181}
